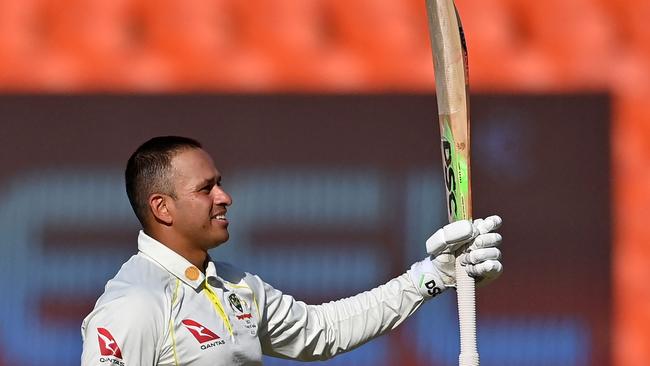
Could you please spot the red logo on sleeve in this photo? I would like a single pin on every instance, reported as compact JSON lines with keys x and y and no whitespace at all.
{"x":201,"y":333}
{"x":107,"y":344}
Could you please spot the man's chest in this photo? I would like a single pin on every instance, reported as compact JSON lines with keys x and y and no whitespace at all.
{"x":215,"y":326}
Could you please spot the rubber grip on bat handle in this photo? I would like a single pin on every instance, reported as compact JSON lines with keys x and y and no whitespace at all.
{"x":465,"y":291}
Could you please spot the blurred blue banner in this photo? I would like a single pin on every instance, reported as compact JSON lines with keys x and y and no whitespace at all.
{"x":332,"y":196}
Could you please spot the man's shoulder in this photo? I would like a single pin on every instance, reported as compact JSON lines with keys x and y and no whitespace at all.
{"x":137,"y":294}
{"x":139,"y":278}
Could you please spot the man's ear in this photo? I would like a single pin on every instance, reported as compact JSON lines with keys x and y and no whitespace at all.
{"x":161,"y":207}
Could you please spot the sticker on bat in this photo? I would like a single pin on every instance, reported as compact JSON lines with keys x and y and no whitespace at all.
{"x":450,"y":178}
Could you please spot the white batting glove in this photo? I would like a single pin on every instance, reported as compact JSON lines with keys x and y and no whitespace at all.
{"x":482,"y":258}
{"x":473,"y":241}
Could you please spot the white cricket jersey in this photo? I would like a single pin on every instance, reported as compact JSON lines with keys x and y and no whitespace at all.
{"x":161,"y":310}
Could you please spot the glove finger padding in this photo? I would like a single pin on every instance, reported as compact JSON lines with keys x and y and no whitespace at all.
{"x":482,"y":260}
{"x":451,"y":237}
{"x":487,"y":224}
{"x":485,"y":272}
{"x":480,"y":255}
{"x":488,"y":240}
{"x":483,"y":264}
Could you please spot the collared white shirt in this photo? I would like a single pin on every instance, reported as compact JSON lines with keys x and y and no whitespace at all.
{"x":161,"y":310}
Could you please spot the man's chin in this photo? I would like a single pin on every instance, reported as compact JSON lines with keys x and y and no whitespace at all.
{"x":220,"y":240}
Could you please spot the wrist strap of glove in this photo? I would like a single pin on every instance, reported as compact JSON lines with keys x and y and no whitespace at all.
{"x":426,"y":279}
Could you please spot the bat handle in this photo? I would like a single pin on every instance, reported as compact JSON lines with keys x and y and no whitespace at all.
{"x":465,"y":291}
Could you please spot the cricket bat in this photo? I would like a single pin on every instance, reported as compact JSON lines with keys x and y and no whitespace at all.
{"x":452,"y":93}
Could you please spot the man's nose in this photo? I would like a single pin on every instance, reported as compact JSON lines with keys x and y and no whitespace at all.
{"x":222,"y":197}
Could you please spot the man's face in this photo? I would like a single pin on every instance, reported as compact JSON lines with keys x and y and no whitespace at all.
{"x":199,"y":210}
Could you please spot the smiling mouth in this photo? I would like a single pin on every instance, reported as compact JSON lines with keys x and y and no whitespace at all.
{"x":219,"y":217}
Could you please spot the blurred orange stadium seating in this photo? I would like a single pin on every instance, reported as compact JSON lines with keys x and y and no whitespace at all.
{"x":302,"y":39}
{"x":339,"y":46}
{"x":311,"y":45}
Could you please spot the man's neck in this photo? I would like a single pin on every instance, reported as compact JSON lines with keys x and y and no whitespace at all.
{"x":198,"y":257}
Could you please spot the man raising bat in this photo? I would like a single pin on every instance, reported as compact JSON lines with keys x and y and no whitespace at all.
{"x":173,"y":304}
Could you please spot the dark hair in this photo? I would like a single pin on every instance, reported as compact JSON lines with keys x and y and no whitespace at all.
{"x":148,"y":171}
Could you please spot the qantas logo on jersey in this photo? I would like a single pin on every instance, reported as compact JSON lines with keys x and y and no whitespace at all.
{"x":202,"y":334}
{"x":108,"y":347}
{"x":107,"y":344}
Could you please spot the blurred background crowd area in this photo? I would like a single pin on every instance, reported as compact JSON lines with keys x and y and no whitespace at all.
{"x":315,"y":45}
{"x":363,"y":46}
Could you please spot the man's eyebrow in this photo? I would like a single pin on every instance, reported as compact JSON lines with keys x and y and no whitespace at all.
{"x":206,"y":182}
{"x":209,"y":181}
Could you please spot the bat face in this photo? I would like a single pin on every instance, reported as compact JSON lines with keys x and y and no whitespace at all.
{"x":451,"y":70}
